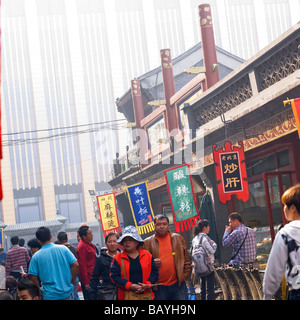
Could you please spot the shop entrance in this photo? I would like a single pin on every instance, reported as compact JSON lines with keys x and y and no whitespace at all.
{"x":263,"y":211}
{"x":275,"y":184}
{"x":270,"y":171}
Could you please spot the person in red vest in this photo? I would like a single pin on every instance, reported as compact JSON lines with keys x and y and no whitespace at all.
{"x":133,"y":269}
{"x":86,"y":257}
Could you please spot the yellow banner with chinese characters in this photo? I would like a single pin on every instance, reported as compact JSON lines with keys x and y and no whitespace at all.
{"x":108,"y":213}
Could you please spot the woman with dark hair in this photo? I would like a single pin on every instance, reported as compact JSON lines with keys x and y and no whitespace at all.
{"x":201,"y":238}
{"x":105,"y":288}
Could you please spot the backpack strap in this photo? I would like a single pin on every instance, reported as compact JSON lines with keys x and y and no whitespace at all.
{"x":201,"y":243}
{"x":201,"y":240}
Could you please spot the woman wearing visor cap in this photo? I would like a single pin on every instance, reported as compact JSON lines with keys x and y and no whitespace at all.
{"x":133,"y":269}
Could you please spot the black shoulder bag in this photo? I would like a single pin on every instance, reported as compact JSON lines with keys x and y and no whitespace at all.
{"x":233,"y":256}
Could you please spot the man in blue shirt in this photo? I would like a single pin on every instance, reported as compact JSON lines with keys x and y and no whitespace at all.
{"x":55,"y":266}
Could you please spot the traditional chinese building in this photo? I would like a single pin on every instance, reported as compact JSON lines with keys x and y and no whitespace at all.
{"x":156,"y":103}
{"x":247,"y":106}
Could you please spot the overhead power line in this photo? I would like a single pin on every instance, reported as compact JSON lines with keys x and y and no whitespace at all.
{"x":110,"y":125}
{"x":62,"y":128}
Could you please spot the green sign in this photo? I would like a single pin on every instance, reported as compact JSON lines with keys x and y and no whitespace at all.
{"x":181,"y":193}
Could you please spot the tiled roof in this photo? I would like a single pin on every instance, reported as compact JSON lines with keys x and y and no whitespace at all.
{"x":56,"y":222}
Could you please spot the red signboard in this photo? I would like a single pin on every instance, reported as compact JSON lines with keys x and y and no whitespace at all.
{"x":231,"y":172}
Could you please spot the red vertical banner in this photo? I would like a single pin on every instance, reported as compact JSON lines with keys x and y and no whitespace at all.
{"x":231,"y":173}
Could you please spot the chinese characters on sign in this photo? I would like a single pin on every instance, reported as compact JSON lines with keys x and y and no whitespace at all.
{"x":181,"y":195}
{"x":108,"y":213}
{"x":141,"y":207}
{"x":231,"y":172}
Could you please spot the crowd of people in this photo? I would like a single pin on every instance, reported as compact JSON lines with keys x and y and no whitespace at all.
{"x":130,"y":268}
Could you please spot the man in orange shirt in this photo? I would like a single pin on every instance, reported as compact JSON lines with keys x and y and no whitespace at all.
{"x":171,"y":257}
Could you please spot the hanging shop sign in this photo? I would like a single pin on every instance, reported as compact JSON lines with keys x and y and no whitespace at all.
{"x":231,"y":172}
{"x":141,"y":208}
{"x":108,"y":213}
{"x":181,"y":194}
{"x":295,"y":103}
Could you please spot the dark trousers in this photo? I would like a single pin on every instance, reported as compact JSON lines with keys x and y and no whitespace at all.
{"x":208,"y":287}
{"x":294,"y":295}
{"x":172,"y":292}
{"x":85,"y":293}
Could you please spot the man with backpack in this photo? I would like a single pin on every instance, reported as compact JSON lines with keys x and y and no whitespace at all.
{"x":242,"y":239}
{"x":203,"y":249}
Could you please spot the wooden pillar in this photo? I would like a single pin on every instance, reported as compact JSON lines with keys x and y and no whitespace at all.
{"x":139,"y":115}
{"x":208,"y":45}
{"x":169,"y":87}
{"x":137,"y":102}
